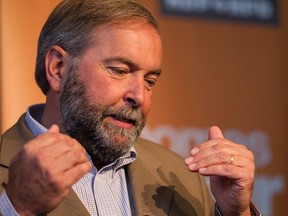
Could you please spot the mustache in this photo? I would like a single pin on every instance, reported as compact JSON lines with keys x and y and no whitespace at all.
{"x":125,"y":113}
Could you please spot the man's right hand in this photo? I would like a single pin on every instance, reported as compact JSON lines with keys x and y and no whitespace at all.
{"x":42,"y":173}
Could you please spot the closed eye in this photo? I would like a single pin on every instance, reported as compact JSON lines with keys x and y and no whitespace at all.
{"x":151,"y":79}
{"x":117,"y":70}
{"x":150,"y":83}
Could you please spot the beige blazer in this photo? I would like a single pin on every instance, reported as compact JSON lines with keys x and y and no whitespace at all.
{"x":160,"y":181}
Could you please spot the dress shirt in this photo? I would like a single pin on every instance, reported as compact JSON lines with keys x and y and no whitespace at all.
{"x":103,"y":192}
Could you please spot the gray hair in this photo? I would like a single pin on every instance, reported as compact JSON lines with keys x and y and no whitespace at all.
{"x":71,"y":23}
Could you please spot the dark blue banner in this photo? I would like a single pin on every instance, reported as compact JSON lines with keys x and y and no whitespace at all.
{"x":263,"y":11}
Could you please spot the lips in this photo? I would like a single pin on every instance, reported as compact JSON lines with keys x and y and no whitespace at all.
{"x":121,"y":118}
{"x":121,"y":121}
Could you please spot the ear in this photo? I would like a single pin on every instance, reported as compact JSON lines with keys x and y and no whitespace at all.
{"x":55,"y":63}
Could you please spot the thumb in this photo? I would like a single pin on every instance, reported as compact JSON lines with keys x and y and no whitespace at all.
{"x":54,"y":129}
{"x":215,"y":132}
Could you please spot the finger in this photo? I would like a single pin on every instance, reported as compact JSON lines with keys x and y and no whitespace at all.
{"x":215,"y":132}
{"x":215,"y":136}
{"x":218,"y":149}
{"x":69,"y":160}
{"x":46,"y":138}
{"x":216,"y":144}
{"x":229,"y":171}
{"x":54,"y":129}
{"x":62,"y":146}
{"x":77,"y":172}
{"x":221,"y":159}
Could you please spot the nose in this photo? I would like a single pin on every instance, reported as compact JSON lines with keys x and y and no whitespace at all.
{"x":135,"y":95}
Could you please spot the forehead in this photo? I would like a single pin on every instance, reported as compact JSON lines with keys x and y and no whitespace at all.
{"x":138,"y":41}
{"x":120,"y":32}
{"x":130,"y":24}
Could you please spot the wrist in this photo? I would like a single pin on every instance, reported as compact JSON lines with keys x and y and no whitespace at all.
{"x":19,"y":206}
{"x":251,"y":211}
{"x":226,"y":212}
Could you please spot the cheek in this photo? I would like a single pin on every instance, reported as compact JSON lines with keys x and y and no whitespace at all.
{"x":104,"y":95}
{"x":105,"y":91}
{"x":99,"y":91}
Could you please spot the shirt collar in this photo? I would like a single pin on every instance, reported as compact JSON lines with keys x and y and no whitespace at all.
{"x":33,"y":117}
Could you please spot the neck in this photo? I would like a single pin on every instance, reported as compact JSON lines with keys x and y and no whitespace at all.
{"x":51,"y":114}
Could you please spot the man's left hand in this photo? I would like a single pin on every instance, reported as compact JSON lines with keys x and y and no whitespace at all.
{"x":231,"y":170}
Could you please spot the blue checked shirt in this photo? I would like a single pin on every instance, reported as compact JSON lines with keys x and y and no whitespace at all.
{"x":103,"y":192}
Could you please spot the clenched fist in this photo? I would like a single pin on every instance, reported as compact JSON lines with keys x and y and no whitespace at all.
{"x":42,"y":173}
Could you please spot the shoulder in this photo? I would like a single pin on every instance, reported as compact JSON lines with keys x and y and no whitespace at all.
{"x":13,"y":140}
{"x":19,"y":132}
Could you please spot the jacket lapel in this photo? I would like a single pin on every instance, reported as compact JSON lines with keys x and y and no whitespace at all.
{"x":11,"y":142}
{"x":71,"y":205}
{"x":152,"y":195}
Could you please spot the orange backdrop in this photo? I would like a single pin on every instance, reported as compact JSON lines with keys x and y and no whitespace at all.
{"x":231,"y":74}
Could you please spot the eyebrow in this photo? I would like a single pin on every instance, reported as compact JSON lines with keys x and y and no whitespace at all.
{"x":131,"y":64}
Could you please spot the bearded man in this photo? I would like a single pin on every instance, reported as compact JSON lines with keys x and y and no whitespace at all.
{"x":79,"y":153}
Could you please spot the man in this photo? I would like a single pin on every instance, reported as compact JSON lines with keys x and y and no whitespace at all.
{"x":97,"y":63}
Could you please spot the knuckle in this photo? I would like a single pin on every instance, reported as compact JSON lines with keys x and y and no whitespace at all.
{"x":55,"y":181}
{"x":73,"y":143}
{"x":28,"y":151}
{"x":56,"y":184}
{"x":201,"y":154}
{"x":54,"y":136}
{"x":27,"y":148}
{"x":243,"y":147}
{"x":222,"y":156}
{"x":77,"y":154}
{"x":217,"y":147}
{"x":249,"y":154}
{"x":68,"y":142}
{"x":220,"y":140}
{"x":227,"y":168}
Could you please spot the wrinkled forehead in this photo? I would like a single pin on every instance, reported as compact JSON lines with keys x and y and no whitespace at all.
{"x":139,"y":43}
{"x":132,"y":25}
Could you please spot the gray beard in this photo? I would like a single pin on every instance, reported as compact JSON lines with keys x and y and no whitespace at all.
{"x":104,"y":142}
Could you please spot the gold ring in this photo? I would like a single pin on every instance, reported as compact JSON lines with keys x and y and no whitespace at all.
{"x":231,"y":160}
